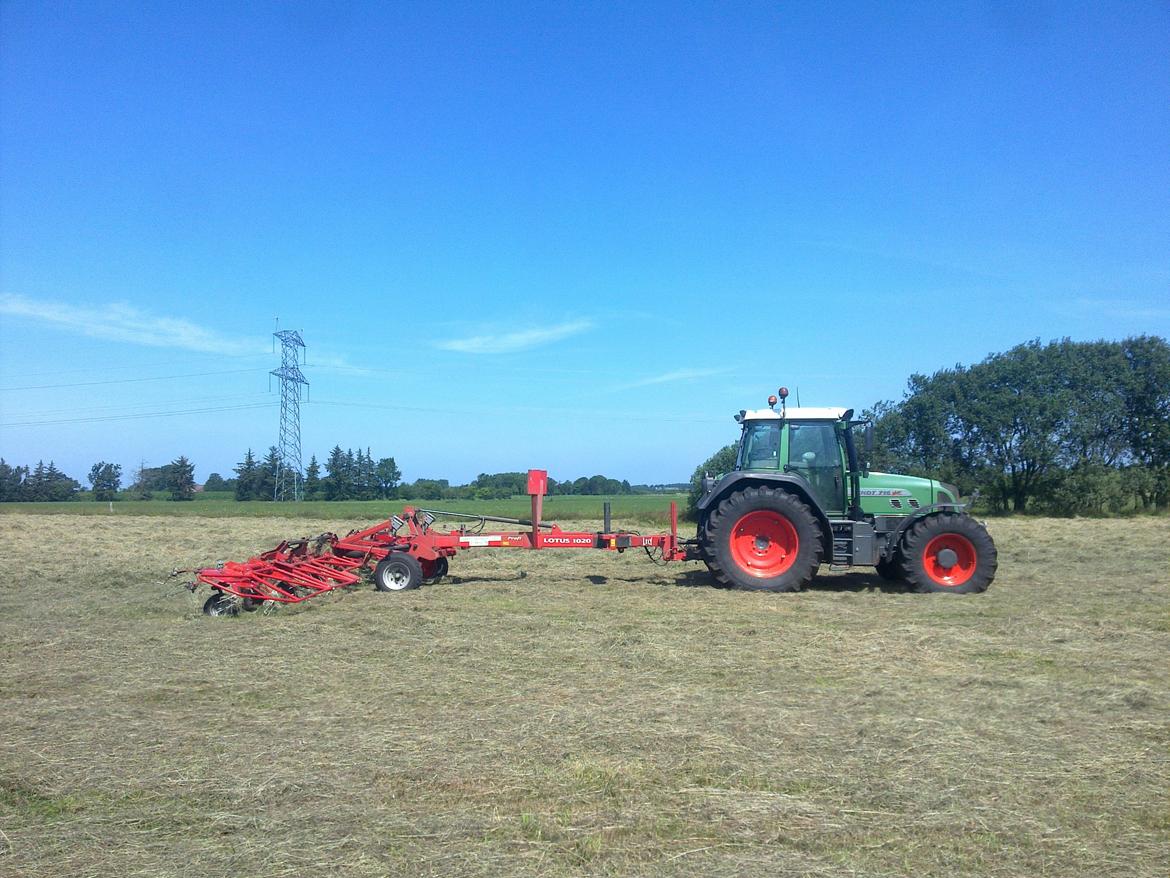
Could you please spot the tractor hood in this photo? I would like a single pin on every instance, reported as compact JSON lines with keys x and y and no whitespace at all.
{"x":888,"y":494}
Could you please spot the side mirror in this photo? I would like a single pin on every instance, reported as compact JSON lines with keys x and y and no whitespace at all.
{"x":868,"y":440}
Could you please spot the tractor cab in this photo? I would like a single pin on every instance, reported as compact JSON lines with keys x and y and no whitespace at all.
{"x":806,"y":442}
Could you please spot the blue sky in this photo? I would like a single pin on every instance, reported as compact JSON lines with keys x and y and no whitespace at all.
{"x":569,"y":236}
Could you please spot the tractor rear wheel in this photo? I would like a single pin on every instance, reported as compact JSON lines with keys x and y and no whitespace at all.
{"x":949,"y":553}
{"x":398,"y":571}
{"x":762,"y":539}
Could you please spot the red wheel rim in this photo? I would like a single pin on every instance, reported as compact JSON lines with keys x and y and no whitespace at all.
{"x":764,"y":544}
{"x":959,"y":572}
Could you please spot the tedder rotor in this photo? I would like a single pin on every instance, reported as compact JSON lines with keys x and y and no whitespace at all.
{"x":801,"y":495}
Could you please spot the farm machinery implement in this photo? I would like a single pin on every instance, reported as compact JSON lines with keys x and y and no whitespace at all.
{"x":403,"y":552}
{"x":800,"y":495}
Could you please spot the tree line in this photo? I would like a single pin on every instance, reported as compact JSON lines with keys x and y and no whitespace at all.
{"x":47,"y":483}
{"x":357,"y":475}
{"x":345,"y":475}
{"x":1059,"y":428}
{"x":1064,"y":428}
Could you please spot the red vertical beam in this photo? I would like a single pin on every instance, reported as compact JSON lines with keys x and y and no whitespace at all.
{"x":537,"y":487}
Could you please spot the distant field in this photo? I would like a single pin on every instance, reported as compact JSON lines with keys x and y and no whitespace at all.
{"x":581,"y":713}
{"x":640,"y":507}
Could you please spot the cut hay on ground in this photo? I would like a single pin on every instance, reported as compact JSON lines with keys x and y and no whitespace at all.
{"x":561,"y":713}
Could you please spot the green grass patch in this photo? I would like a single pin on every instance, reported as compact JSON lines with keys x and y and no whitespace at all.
{"x":639,"y":507}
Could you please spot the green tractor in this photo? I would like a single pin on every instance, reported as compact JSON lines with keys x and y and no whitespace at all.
{"x":802,"y":495}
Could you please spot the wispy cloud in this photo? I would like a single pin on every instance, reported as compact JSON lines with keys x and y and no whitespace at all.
{"x":337,"y":363}
{"x":123,"y":323}
{"x":670,"y":377}
{"x":1118,"y":307}
{"x":520,"y":340}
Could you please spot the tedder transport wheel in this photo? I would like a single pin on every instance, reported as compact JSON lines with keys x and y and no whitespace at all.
{"x":220,"y":604}
{"x":398,"y":571}
{"x":949,"y":553}
{"x":435,"y":570}
{"x":762,"y":539}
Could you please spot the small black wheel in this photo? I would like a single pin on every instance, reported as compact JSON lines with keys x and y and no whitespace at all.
{"x":398,"y":571}
{"x":951,"y":553}
{"x":891,"y":569}
{"x":220,"y":604}
{"x":763,"y":539}
{"x":435,"y":570}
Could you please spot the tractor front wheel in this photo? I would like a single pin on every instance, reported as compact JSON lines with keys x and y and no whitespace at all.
{"x":398,"y":571}
{"x":891,"y":569}
{"x":949,"y":553}
{"x":762,"y":539}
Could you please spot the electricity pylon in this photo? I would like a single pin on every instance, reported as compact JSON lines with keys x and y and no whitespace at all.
{"x":289,"y":481}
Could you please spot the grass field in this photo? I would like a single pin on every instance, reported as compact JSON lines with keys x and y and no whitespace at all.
{"x":565,"y":713}
{"x":640,"y":507}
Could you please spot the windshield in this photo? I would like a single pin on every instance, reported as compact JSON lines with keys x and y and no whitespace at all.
{"x":760,"y":448}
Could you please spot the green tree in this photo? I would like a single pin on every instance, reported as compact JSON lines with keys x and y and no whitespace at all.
{"x":339,"y":480}
{"x":312,"y":479}
{"x":1050,"y":427}
{"x":269,"y":472}
{"x":722,"y":461}
{"x":48,"y":484}
{"x":1147,"y":414}
{"x":11,"y":481}
{"x":247,"y":477}
{"x":388,"y":476}
{"x":182,"y":479}
{"x":106,"y":479}
{"x":216,"y":482}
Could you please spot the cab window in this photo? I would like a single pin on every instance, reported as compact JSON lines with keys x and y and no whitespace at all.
{"x":813,"y":445}
{"x":761,"y":446}
{"x":813,"y":452}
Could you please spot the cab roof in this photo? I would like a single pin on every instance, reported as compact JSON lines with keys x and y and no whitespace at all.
{"x":808,"y":413}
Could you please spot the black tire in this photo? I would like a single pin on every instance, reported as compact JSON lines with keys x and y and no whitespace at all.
{"x":435,"y":570}
{"x":891,"y":570}
{"x":707,"y":549}
{"x":756,"y":531}
{"x":968,"y":569}
{"x":398,"y":571}
{"x":220,"y":604}
{"x":251,"y":605}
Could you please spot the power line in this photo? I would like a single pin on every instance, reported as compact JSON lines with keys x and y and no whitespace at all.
{"x":128,"y":407}
{"x":140,"y":416}
{"x":113,"y":367}
{"x":127,"y":380}
{"x":539,"y":410}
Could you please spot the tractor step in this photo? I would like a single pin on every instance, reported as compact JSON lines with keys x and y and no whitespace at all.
{"x":853,"y":543}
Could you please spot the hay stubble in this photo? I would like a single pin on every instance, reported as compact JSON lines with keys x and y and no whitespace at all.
{"x":581,"y":713}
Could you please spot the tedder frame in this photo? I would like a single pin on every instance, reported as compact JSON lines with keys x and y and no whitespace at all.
{"x":405,"y":550}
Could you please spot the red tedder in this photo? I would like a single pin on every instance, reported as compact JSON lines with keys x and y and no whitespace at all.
{"x":406,"y":550}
